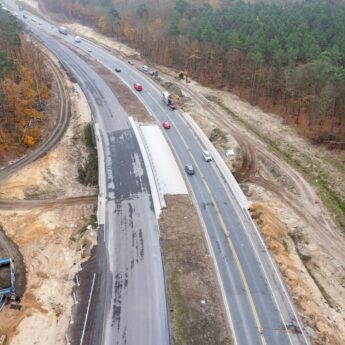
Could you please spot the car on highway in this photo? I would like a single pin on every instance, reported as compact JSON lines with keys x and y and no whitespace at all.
{"x":130,"y":62}
{"x":172,"y":106}
{"x":77,"y":39}
{"x":145,"y":68}
{"x":189,"y":169}
{"x":89,"y":50}
{"x":138,"y":87}
{"x":166,"y":125}
{"x":118,"y":70}
{"x":206,"y":155}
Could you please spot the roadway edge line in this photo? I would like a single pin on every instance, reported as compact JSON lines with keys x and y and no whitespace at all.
{"x":232,"y":249}
{"x":87,"y":311}
{"x":245,"y":211}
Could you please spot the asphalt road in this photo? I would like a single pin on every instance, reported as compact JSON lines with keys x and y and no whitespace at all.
{"x":258,"y":306}
{"x":133,"y":304}
{"x":259,"y":309}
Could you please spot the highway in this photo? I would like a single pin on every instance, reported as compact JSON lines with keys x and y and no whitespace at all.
{"x":132,"y":300}
{"x":257,"y":304}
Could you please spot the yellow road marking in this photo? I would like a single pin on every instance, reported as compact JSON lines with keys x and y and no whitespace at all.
{"x":232,"y":248}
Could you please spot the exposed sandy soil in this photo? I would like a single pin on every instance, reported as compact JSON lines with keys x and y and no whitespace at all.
{"x":52,"y":259}
{"x":49,"y":237}
{"x":130,"y":103}
{"x":291,"y":259}
{"x":31,"y":3}
{"x":85,"y":31}
{"x":195,"y":311}
{"x":266,"y":176}
{"x":54,"y":176}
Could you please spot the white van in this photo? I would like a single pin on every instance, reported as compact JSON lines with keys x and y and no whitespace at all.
{"x":63,"y":30}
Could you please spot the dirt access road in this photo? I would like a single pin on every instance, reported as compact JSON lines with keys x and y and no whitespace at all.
{"x":58,"y":122}
{"x":44,"y":210}
{"x":263,"y":148}
{"x":266,"y":175}
{"x":61,"y":113}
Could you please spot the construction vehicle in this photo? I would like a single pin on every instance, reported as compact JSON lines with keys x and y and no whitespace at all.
{"x":167,"y":99}
{"x":7,"y":290}
{"x":183,"y":75}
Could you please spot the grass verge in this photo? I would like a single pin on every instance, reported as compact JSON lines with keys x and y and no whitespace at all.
{"x":88,"y":172}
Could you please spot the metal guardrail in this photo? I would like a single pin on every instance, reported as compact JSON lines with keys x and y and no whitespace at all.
{"x":223,"y":168}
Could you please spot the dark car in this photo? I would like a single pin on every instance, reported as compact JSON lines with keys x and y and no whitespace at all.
{"x":118,"y":70}
{"x":189,"y":169}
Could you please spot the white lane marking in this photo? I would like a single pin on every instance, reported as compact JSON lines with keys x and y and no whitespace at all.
{"x":87,"y":311}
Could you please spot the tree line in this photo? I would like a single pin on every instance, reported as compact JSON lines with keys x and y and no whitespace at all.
{"x":286,"y":57}
{"x":24,"y":89}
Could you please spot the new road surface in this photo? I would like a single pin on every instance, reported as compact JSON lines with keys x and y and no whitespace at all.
{"x":257,"y":304}
{"x":131,"y":299}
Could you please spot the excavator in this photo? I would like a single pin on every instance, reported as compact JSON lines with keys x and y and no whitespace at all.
{"x":7,"y":289}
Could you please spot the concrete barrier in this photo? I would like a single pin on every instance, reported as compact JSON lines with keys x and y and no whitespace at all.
{"x":223,"y":168}
{"x":156,"y":190}
{"x":101,"y":210}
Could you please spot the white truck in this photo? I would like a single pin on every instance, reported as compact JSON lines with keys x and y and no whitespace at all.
{"x":167,"y":99}
{"x":63,"y":30}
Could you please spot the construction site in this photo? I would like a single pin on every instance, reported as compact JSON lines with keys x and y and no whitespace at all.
{"x":49,"y":263}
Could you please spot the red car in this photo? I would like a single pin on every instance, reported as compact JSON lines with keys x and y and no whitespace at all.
{"x":172,"y":106}
{"x":166,"y":125}
{"x":138,"y":87}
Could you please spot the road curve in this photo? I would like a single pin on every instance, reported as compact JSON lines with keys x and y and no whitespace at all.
{"x":56,"y":134}
{"x":131,"y":298}
{"x":260,"y":309}
{"x":258,"y":305}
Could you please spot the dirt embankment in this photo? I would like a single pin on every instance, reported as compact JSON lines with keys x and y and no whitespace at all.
{"x":265,"y":155}
{"x":53,"y":240}
{"x":196,"y":312}
{"x":269,"y":157}
{"x":314,"y":302}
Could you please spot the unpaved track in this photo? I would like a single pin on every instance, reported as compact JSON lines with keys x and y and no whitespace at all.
{"x":57,"y":133}
{"x":29,"y":204}
{"x":7,"y":247}
{"x":256,"y":158}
